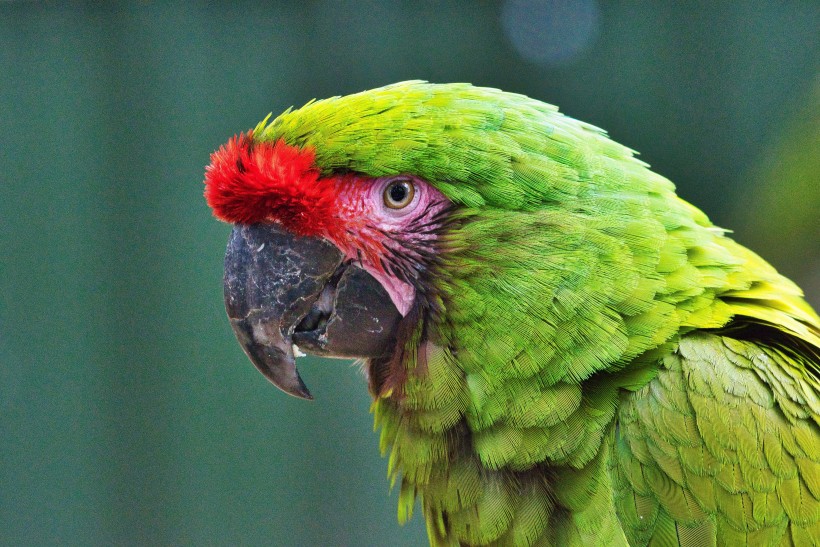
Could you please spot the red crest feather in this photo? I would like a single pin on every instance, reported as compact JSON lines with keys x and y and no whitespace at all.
{"x":249,"y":182}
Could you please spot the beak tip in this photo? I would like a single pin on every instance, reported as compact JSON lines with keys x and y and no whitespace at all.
{"x":298,"y":389}
{"x":279,"y":367}
{"x":272,"y":354}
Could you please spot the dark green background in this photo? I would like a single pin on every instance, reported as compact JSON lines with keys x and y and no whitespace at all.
{"x":128,"y":414}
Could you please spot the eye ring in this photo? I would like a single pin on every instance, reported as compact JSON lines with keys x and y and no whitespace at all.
{"x":399,"y":193}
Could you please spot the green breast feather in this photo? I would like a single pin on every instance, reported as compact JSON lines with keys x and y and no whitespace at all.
{"x":605,"y":366}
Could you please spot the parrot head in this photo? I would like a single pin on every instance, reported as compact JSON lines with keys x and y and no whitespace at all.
{"x":369,"y":225}
{"x":331,"y":262}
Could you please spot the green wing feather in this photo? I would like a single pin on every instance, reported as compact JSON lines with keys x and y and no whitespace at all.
{"x":723,"y":441}
{"x":602,"y":367}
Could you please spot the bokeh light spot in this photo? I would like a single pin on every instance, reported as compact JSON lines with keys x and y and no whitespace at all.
{"x":550,"y":32}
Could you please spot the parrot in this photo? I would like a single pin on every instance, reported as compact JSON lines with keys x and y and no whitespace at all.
{"x":559,"y":349}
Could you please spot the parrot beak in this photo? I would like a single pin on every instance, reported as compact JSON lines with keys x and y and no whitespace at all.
{"x":282,"y":289}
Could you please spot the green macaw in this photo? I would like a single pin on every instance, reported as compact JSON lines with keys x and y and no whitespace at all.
{"x":560,"y":350}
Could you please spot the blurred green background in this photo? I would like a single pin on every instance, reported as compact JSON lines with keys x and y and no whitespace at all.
{"x":128,"y":413}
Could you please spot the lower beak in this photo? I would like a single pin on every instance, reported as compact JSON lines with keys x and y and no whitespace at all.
{"x":280,"y":287}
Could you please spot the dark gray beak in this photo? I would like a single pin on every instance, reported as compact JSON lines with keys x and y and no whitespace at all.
{"x":282,"y":289}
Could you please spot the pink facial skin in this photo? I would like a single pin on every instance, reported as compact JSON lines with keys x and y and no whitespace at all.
{"x":389,"y":243}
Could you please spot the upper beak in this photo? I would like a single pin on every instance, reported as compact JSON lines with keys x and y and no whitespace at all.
{"x":280,"y":287}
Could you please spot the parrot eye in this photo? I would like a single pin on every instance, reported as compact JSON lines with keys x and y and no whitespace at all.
{"x":399,"y":193}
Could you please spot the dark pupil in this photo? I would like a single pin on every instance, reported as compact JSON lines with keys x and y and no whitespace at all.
{"x":398,"y":192}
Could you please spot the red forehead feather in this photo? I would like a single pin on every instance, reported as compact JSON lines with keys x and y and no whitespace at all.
{"x":249,"y":182}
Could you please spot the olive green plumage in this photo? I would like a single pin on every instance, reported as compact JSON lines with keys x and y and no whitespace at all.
{"x":603,"y":365}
